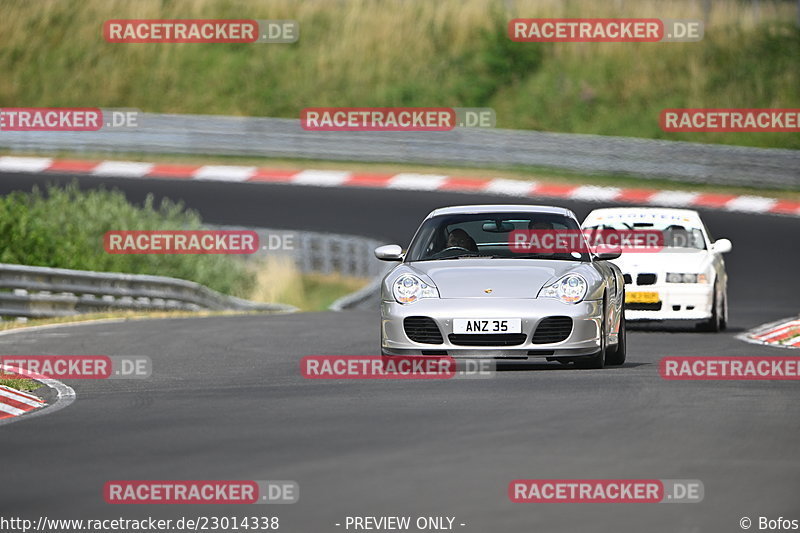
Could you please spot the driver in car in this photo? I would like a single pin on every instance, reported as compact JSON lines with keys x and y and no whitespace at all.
{"x":458,"y":238}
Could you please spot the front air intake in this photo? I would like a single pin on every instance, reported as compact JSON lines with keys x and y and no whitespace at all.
{"x":422,"y":329}
{"x":646,"y":279}
{"x":552,"y":329}
{"x":488,"y":339}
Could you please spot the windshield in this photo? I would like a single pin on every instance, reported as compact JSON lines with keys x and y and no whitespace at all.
{"x":676,"y":234}
{"x":463,"y":236}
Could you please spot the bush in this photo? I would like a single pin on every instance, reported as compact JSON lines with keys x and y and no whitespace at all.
{"x":64,"y":228}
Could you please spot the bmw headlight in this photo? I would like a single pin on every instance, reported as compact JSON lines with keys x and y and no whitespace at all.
{"x":569,"y":289}
{"x":677,"y":277}
{"x":408,"y":288}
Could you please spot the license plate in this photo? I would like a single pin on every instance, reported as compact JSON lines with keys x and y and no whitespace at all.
{"x":641,"y":297}
{"x":487,"y":325}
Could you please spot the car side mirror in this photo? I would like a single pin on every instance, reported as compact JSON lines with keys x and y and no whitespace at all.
{"x":607,"y":256}
{"x":389,"y":252}
{"x":721,"y":246}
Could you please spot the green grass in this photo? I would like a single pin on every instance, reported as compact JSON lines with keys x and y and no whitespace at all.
{"x":322,"y":290}
{"x":411,"y":53}
{"x":279,"y":280}
{"x":27,"y":385}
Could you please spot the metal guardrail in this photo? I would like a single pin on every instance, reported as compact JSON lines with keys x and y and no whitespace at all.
{"x":348,"y":255}
{"x":273,"y":137}
{"x":325,"y":253}
{"x":39,"y":292}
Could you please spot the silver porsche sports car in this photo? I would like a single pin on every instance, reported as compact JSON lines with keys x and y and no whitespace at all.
{"x":463,"y":290}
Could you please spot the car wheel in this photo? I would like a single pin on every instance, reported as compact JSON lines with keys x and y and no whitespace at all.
{"x":713,"y":324}
{"x":616,"y":356}
{"x":723,"y":319}
{"x":597,"y":360}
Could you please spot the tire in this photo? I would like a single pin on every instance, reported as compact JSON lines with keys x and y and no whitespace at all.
{"x":714,"y":324}
{"x":616,"y":356}
{"x":723,"y":320}
{"x":597,"y":360}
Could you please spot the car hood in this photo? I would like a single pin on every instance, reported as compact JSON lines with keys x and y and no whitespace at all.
{"x":504,"y":278}
{"x":683,"y":261}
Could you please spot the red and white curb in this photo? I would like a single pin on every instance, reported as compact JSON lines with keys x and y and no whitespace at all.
{"x":15,"y":403}
{"x":403,"y":181}
{"x":784,"y":334}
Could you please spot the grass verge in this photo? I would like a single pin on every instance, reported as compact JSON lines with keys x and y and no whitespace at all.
{"x":279,"y":280}
{"x":22,"y":384}
{"x":413,"y":53}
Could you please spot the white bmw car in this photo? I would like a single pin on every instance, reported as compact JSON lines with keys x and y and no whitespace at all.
{"x":684,"y":280}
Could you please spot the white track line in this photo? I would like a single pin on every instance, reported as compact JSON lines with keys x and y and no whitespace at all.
{"x":594,"y":193}
{"x":673,"y":198}
{"x":510,"y":187}
{"x":122,"y":169}
{"x":224,"y":173}
{"x":321,"y":178}
{"x":751,"y":204}
{"x":24,"y":164}
{"x":416,"y":182}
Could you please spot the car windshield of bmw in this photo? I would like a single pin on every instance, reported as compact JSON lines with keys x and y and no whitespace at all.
{"x":676,"y":235}
{"x":490,"y":235}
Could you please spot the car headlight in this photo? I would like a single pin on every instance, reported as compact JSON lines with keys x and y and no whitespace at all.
{"x":677,"y":277}
{"x":408,"y":288}
{"x":569,"y":289}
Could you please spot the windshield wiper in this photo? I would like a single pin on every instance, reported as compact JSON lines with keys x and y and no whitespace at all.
{"x":557,"y":257}
{"x":466,"y":256}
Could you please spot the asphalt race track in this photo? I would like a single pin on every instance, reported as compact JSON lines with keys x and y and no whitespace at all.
{"x":227,"y":401}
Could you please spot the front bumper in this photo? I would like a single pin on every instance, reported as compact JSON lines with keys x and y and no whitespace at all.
{"x":584,"y":338}
{"x":678,"y":301}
